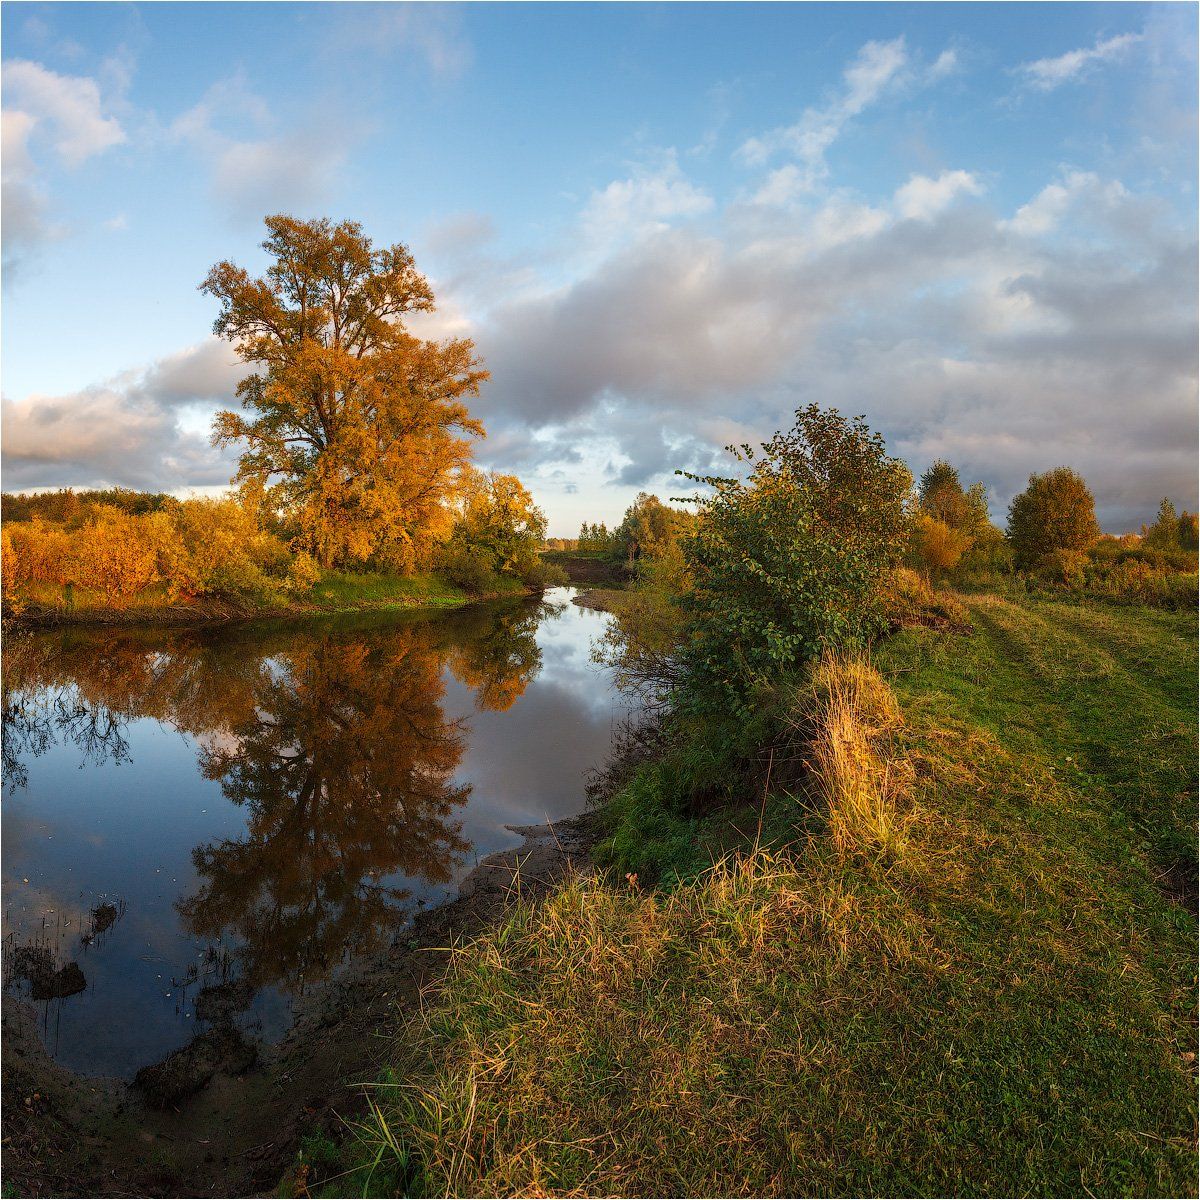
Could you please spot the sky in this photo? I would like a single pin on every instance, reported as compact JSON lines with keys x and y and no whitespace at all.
{"x":665,"y":227}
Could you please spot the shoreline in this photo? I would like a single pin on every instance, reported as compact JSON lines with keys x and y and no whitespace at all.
{"x":69,"y":1134}
{"x":219,"y":612}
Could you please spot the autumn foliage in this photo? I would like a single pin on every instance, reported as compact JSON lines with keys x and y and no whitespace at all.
{"x":354,"y":432}
{"x":189,"y":548}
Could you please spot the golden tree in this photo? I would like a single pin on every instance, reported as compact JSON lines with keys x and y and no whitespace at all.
{"x":355,"y":429}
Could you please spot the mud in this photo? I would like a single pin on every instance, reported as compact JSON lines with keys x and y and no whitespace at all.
{"x":223,"y":1117}
{"x":36,"y":964}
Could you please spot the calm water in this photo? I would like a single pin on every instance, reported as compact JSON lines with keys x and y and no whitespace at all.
{"x":192,"y":808}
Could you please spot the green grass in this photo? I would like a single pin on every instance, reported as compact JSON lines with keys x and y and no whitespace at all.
{"x":1103,"y":696}
{"x":1001,"y":1002}
{"x":344,"y":589}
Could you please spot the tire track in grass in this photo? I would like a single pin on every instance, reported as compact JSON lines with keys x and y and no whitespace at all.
{"x":1120,"y":729}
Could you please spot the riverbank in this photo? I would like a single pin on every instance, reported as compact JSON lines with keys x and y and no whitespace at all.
{"x":336,"y":592}
{"x":948,"y":947}
{"x":242,"y":1127}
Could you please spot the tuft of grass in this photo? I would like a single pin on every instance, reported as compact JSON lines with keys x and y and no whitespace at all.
{"x":1006,"y":1007}
{"x":852,"y":714}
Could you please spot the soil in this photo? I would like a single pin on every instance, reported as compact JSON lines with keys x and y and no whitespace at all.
{"x":600,"y":599}
{"x":222,"y":1116}
{"x":594,"y":572}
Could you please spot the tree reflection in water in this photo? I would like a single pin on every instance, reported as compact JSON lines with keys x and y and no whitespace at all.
{"x":333,"y":739}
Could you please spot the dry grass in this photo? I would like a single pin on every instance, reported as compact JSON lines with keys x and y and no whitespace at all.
{"x":865,"y":786}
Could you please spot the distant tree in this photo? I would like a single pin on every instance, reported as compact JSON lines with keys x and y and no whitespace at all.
{"x":1164,"y":533}
{"x":356,"y":430}
{"x":940,"y":495}
{"x":1187,"y":531}
{"x":649,"y":529}
{"x":1055,"y":512}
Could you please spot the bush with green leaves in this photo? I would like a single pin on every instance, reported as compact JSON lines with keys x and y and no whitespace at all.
{"x":470,"y":567}
{"x":790,"y":559}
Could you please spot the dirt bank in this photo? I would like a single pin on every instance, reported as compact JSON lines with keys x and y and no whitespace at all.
{"x":584,"y":571}
{"x":607,"y":600}
{"x":237,"y":1135}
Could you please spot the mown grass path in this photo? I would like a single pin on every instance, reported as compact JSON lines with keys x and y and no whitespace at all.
{"x":1105,"y":695}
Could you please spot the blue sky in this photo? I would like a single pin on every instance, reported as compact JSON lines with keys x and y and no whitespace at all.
{"x":666,"y":226}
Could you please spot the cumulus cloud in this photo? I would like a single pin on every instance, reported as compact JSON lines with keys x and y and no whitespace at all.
{"x":68,"y":105}
{"x":1077,"y":189}
{"x":922,"y":198}
{"x":1045,"y":74}
{"x":1062,"y":332}
{"x":64,"y":115}
{"x":647,"y":202}
{"x":145,"y":428}
{"x":257,"y":167}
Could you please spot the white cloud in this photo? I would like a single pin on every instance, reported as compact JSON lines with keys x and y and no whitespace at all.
{"x":256,"y":168}
{"x":876,"y":67}
{"x":1008,"y":343}
{"x":144,"y":428}
{"x":62,"y":113}
{"x":1046,"y":210}
{"x":68,"y":105}
{"x":1048,"y":73}
{"x":922,"y":198}
{"x":946,"y":63}
{"x":647,"y":202}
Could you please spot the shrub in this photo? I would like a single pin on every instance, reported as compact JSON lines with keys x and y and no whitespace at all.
{"x":935,"y":547}
{"x":192,"y":548}
{"x":790,"y":561}
{"x":1063,"y":566}
{"x":469,"y":567}
{"x":303,"y":573}
{"x":538,"y":574}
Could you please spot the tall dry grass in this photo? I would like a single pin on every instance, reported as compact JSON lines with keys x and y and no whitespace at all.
{"x":852,"y":715}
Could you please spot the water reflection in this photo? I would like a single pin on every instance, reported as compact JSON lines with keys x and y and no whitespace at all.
{"x":345,"y":770}
{"x":333,"y":744}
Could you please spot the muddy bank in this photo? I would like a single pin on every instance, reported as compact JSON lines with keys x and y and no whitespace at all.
{"x":223,"y":1117}
{"x":583,"y":571}
{"x":601,"y":599}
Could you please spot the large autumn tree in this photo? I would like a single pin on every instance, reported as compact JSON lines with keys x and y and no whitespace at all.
{"x":353,"y":429}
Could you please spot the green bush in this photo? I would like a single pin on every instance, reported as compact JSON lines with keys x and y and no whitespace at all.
{"x":538,"y":574}
{"x":790,"y":560}
{"x":1066,"y":567}
{"x":470,"y":567}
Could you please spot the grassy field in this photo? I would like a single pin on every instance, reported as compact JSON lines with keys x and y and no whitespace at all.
{"x":964,"y":964}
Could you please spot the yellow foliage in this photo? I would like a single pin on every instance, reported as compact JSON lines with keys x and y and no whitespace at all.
{"x":356,"y":430}
{"x":194,"y":548}
{"x":936,"y":547}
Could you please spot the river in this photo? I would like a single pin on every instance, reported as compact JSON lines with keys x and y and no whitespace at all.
{"x":218,"y":819}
